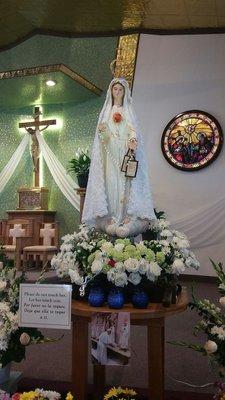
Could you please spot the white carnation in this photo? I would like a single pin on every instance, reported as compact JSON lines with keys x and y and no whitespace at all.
{"x":219,"y":331}
{"x":75,"y":277}
{"x":166,"y":233}
{"x":49,"y":394}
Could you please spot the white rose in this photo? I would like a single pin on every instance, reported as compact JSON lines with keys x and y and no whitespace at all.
{"x":163,"y":223}
{"x":185,"y":252}
{"x":121,"y":279}
{"x":210,"y":347}
{"x":24,"y":339}
{"x":131,"y":265}
{"x":98,"y":255}
{"x":189,"y":262}
{"x":119,"y":246}
{"x":119,"y":267}
{"x":134,"y":278}
{"x":178,"y":266}
{"x":155,"y":269}
{"x":96,"y":266}
{"x":111,"y":275}
{"x":222,"y":301}
{"x":143,"y":266}
{"x":106,"y":246}
{"x":164,"y":243}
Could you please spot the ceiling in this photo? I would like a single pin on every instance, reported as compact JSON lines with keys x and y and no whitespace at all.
{"x":20,"y":19}
{"x":32,"y":90}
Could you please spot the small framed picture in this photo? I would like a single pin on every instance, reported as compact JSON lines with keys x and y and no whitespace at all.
{"x":131,"y":171}
{"x":110,"y":338}
{"x":192,"y":140}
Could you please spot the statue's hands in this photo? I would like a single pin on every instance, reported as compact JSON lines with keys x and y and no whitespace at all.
{"x":132,"y":144}
{"x":102,"y":127}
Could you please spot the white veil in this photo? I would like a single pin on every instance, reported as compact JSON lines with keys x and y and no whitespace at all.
{"x":140,"y":200}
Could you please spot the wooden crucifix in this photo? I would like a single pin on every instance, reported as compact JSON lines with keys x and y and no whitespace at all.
{"x":35,"y":151}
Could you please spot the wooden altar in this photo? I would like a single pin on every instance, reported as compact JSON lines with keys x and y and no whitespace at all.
{"x":153,"y":317}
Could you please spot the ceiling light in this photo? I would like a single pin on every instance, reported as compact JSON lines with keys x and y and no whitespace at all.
{"x":50,"y":82}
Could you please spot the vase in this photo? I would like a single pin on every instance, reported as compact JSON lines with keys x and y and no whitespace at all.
{"x":5,"y":373}
{"x":96,"y":297}
{"x":140,"y":299}
{"x":82,"y":180}
{"x":115,"y":298}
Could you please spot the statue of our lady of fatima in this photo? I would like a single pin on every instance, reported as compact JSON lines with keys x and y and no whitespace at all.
{"x":118,"y":197}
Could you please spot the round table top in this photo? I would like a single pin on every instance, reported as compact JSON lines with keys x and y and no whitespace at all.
{"x":154,"y":310}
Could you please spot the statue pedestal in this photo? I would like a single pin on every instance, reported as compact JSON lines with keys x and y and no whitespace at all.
{"x":81,"y":192}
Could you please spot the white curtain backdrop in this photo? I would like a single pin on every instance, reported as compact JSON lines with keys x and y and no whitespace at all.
{"x":9,"y":169}
{"x":205,"y":227}
{"x":64,"y":181}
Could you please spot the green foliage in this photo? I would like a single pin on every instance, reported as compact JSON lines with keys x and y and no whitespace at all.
{"x":79,"y":165}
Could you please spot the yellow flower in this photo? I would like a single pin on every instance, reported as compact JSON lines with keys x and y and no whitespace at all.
{"x":29,"y":395}
{"x":130,"y":392}
{"x":69,"y":396}
{"x":112,"y":392}
{"x":116,"y":392}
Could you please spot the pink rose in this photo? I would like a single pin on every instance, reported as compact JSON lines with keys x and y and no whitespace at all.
{"x":24,"y":339}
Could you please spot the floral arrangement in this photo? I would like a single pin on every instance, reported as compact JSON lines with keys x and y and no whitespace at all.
{"x":13,"y":339}
{"x":120,"y":393}
{"x":37,"y":394}
{"x":212,"y":324}
{"x":87,"y":254}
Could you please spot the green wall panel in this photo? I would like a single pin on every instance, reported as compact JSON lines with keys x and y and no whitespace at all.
{"x":76,"y":122}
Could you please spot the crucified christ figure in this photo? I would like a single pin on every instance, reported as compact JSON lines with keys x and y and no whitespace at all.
{"x":34,"y":148}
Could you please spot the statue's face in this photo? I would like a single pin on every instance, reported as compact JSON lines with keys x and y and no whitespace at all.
{"x":118,"y":92}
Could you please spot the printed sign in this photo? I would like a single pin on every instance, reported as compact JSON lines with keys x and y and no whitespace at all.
{"x":45,"y":306}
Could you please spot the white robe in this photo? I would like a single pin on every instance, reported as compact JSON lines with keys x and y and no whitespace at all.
{"x":105,"y":191}
{"x":103,"y":341}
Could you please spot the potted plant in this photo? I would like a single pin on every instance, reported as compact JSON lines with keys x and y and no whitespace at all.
{"x":80,"y":166}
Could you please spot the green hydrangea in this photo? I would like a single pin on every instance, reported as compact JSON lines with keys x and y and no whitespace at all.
{"x":126,"y":255}
{"x":106,"y":268}
{"x":130,"y":248}
{"x":117,"y":255}
{"x":150,"y":255}
{"x":91,"y":258}
{"x":126,"y":242}
{"x":136,"y":254}
{"x":100,"y":242}
{"x":160,"y":257}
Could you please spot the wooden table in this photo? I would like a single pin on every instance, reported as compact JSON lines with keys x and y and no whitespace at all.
{"x":153,"y":317}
